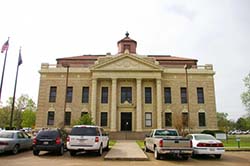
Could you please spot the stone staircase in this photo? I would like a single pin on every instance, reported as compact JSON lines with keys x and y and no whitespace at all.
{"x":127,"y":135}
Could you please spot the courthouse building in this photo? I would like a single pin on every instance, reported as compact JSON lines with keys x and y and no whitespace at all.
{"x":127,"y":91}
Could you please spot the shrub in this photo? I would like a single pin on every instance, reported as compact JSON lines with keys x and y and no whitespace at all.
{"x":84,"y":120}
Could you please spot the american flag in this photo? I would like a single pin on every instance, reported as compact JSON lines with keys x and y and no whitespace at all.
{"x":5,"y":46}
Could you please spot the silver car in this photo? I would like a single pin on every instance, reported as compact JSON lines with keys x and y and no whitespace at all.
{"x":14,"y":140}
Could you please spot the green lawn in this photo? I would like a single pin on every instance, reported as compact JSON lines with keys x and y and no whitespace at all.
{"x":231,"y":141}
{"x":140,"y":143}
{"x":111,"y":143}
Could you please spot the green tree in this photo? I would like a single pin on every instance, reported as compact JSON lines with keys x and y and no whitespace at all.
{"x":4,"y":117}
{"x":245,"y":96}
{"x":222,"y":121}
{"x":28,"y":118}
{"x":241,"y":124}
{"x":248,"y":122}
{"x":84,"y":120}
{"x":23,"y":103}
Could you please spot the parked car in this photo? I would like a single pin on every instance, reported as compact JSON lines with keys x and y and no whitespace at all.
{"x":14,"y":141}
{"x":87,"y":138}
{"x":52,"y":140}
{"x":206,"y":144}
{"x":167,"y":142}
{"x":27,"y":129}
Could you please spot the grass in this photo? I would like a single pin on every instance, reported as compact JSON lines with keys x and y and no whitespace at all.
{"x":112,"y":143}
{"x":140,"y":143}
{"x":231,"y":141}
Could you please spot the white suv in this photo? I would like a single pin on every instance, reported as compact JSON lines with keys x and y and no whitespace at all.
{"x":87,"y":138}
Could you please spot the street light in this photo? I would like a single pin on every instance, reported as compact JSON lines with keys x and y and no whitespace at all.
{"x":187,"y":66}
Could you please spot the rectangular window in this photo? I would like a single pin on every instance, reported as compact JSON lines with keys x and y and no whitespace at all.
{"x":51,"y":117}
{"x":148,"y":95}
{"x":183,"y":95}
{"x":202,"y":119}
{"x":104,"y":119}
{"x":200,"y":95}
{"x":104,"y":98}
{"x":67,"y":118}
{"x":52,"y":94}
{"x":85,"y":94}
{"x":168,"y":119}
{"x":185,"y":119}
{"x":126,"y":94}
{"x":148,"y":119}
{"x":167,"y":92}
{"x":69,"y":95}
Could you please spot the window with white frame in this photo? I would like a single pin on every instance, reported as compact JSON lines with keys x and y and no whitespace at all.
{"x":148,"y":119}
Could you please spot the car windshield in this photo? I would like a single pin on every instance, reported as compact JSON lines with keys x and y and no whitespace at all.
{"x":166,"y":133}
{"x":204,"y":137}
{"x":84,"y":131}
{"x":6,"y":135}
{"x":47,"y":134}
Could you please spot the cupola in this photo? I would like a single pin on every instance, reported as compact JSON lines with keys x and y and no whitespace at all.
{"x":127,"y":44}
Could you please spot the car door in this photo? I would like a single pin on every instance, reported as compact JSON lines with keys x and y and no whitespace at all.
{"x":104,"y":137}
{"x":27,"y":140}
{"x":21,"y":140}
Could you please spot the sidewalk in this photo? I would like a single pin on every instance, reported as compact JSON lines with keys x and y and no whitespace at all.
{"x":126,"y":150}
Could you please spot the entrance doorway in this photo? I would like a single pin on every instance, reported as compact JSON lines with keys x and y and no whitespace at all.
{"x":126,"y":121}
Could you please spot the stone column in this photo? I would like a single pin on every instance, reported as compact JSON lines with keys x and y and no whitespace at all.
{"x":113,"y":105}
{"x":138,"y":105}
{"x":159,"y":103}
{"x":93,"y":100}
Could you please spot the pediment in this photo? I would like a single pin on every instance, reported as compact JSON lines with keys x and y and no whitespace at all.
{"x":127,"y":62}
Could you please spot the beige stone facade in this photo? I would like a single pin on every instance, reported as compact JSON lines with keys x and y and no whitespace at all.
{"x":127,"y":92}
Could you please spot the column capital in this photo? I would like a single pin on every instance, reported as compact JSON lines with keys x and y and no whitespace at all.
{"x":94,"y":79}
{"x":114,"y":80}
{"x":158,"y":80}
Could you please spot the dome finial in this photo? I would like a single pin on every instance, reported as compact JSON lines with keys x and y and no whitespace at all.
{"x":127,"y":34}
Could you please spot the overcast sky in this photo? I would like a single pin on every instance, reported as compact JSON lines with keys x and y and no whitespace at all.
{"x":214,"y":32}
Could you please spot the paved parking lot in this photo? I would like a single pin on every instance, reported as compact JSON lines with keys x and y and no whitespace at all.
{"x":26,"y":158}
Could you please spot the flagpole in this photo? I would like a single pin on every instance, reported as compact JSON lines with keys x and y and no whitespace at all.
{"x":14,"y":95}
{"x":1,"y":85}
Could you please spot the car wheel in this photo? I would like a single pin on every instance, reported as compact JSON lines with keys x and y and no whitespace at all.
{"x":184,"y":157}
{"x":194,"y":155}
{"x":99,"y":153}
{"x":61,"y":150}
{"x":72,"y":153}
{"x":157,"y":155}
{"x":36,"y":152}
{"x":146,"y":148}
{"x":107,"y":147}
{"x":15,"y":149}
{"x":218,"y":156}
